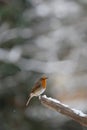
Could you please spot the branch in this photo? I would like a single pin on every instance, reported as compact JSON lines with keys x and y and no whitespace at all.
{"x":56,"y":105}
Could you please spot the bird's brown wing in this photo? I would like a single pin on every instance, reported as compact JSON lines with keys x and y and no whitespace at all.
{"x":37,"y":86}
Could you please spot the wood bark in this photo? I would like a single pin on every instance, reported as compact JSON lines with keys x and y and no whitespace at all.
{"x":56,"y":105}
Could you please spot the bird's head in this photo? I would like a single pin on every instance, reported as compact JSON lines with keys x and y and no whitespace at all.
{"x":44,"y":77}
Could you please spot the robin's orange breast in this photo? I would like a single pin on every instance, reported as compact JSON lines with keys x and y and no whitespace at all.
{"x":44,"y":83}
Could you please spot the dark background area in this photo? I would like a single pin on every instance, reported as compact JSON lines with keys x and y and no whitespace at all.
{"x":42,"y":37}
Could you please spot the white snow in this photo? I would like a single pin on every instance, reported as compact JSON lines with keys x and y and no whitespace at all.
{"x":51,"y":99}
{"x":54,"y":100}
{"x":78,"y":112}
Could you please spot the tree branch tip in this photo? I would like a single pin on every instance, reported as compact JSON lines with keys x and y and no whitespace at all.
{"x":50,"y":99}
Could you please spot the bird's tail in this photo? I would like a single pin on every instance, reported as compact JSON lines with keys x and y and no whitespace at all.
{"x":29,"y":100}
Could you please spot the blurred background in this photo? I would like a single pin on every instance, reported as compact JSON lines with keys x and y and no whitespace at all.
{"x":42,"y":37}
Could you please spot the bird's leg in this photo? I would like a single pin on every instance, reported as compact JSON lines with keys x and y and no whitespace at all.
{"x":39,"y":97}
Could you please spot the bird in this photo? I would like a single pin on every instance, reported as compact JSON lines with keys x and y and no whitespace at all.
{"x":38,"y":89}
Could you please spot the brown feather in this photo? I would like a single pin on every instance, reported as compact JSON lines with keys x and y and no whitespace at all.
{"x":36,"y":87}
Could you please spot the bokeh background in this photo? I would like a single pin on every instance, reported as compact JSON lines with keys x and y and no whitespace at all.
{"x":42,"y":37}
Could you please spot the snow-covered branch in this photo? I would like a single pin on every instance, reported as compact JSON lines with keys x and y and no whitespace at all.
{"x":56,"y":105}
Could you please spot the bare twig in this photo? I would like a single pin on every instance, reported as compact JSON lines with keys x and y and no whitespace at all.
{"x":56,"y":105}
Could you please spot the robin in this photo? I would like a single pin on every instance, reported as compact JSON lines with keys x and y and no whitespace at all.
{"x":38,"y":89}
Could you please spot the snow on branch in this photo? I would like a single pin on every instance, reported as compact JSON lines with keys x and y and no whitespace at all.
{"x":56,"y":105}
